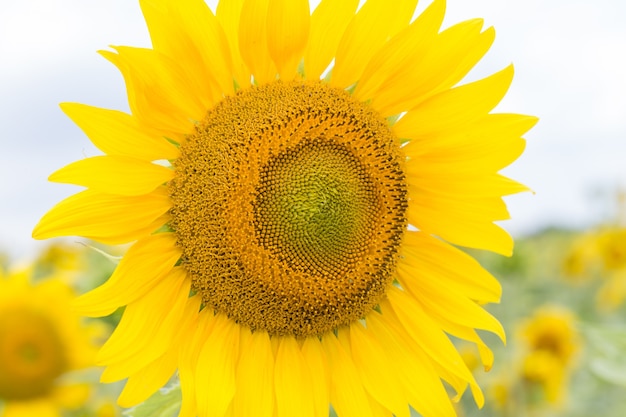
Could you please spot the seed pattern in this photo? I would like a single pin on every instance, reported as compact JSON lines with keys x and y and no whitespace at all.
{"x":314,"y":206}
{"x":289,"y":206}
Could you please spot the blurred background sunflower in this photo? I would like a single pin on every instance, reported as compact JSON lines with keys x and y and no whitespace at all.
{"x":46,"y":350}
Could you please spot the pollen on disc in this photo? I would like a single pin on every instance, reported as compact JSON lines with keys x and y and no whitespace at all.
{"x":289,"y":207}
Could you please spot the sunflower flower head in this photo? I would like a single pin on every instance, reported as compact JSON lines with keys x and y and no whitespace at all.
{"x":552,"y":343}
{"x":60,"y":258}
{"x":40,"y":341}
{"x":295,"y":184}
{"x":612,"y":248}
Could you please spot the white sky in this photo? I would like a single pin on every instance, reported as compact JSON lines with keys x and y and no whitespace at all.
{"x":569,"y":55}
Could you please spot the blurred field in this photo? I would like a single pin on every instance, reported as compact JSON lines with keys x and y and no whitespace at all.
{"x":563,"y":309}
{"x":578,"y":275}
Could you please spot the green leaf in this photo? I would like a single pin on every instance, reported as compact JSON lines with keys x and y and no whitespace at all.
{"x":163,"y":403}
{"x":607,"y":346}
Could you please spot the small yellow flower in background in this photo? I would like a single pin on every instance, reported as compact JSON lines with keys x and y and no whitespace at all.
{"x":281,"y":199}
{"x":613,"y":292}
{"x":551,"y":329}
{"x":612,"y":248}
{"x":600,"y":251}
{"x":600,"y":254}
{"x":578,"y":265}
{"x":501,"y":391}
{"x":107,"y":410}
{"x":60,"y":257}
{"x":551,"y":343}
{"x":611,"y":244}
{"x":470,"y":356}
{"x":40,"y":341}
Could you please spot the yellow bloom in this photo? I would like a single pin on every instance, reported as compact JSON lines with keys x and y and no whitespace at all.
{"x":551,"y":343}
{"x":612,"y":248}
{"x":107,"y":410}
{"x":545,"y":369}
{"x":613,"y":292}
{"x":470,"y":356}
{"x":601,"y":253}
{"x":279,"y":195}
{"x":40,"y":340}
{"x":580,"y":259}
{"x":60,"y":258}
{"x":500,"y":390}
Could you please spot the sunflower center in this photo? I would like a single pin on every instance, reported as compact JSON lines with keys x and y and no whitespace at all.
{"x":289,"y":206}
{"x":314,"y":206}
{"x":31,"y":355}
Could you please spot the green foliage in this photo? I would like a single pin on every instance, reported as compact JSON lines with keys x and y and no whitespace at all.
{"x":607,"y":360}
{"x":535,"y":276}
{"x":164,"y":403}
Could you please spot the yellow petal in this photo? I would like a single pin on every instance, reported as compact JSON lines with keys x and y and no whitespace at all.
{"x":159,"y":93}
{"x":140,"y":338}
{"x":391,"y":63}
{"x":328,"y":23}
{"x":315,"y":358}
{"x":453,"y":109}
{"x":292,"y":382}
{"x":228,"y":14}
{"x":475,"y":152}
{"x":215,"y":370}
{"x":485,"y":146}
{"x":193,"y":333}
{"x":365,"y":35}
{"x":253,"y":40}
{"x":117,"y":133}
{"x":391,"y":321}
{"x":143,"y":384}
{"x":114,"y":174}
{"x":431,"y":338}
{"x":451,"y":305}
{"x":187,"y":32}
{"x":433,"y":67}
{"x":469,"y":334}
{"x":422,"y":385}
{"x":426,"y":257}
{"x":255,"y":375}
{"x":144,"y":265}
{"x":463,"y":208}
{"x":459,"y":49}
{"x":372,"y":364}
{"x":462,"y":222}
{"x":377,"y":408}
{"x":104,"y":217}
{"x":199,"y":328}
{"x":288,"y":24}
{"x":465,"y":159}
{"x":346,"y":392}
{"x":472,"y":186}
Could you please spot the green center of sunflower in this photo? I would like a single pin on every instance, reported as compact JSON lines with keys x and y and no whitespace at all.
{"x":289,"y":206}
{"x":31,"y":355}
{"x":314,"y":207}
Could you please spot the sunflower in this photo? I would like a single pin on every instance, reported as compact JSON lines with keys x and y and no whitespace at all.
{"x":294,"y":184}
{"x":40,"y":341}
{"x":551,"y":343}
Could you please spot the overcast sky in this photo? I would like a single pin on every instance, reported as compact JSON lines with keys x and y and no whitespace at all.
{"x":569,"y":56}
